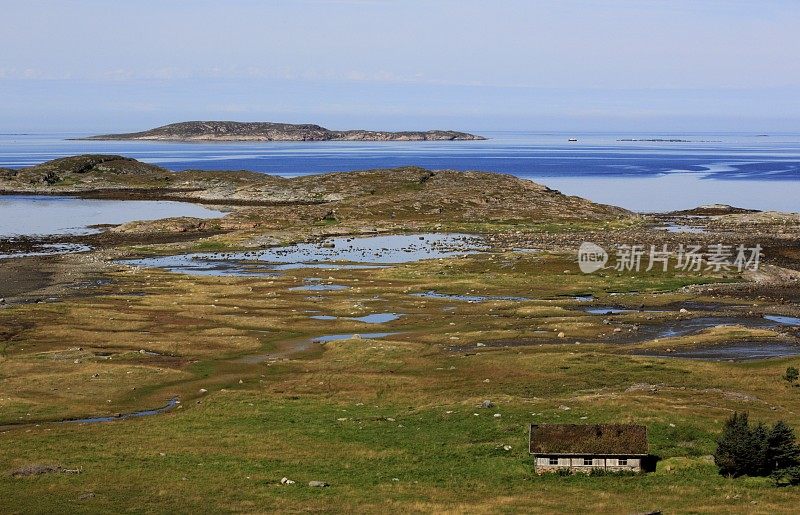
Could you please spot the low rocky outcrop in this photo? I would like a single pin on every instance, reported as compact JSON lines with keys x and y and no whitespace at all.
{"x":399,"y":194}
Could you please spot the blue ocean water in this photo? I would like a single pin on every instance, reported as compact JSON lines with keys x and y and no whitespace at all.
{"x":760,"y":171}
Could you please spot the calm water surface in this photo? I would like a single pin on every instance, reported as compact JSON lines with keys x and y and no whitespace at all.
{"x":748,"y":170}
{"x":22,"y":215}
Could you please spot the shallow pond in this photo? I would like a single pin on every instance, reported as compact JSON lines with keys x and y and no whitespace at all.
{"x":333,"y":337}
{"x":36,"y":216}
{"x":742,"y":351}
{"x":374,"y":318}
{"x":341,"y":252}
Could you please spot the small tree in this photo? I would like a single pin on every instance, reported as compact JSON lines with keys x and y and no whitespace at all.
{"x":734,"y":454}
{"x":791,"y":375}
{"x":758,"y":458}
{"x":782,"y":449}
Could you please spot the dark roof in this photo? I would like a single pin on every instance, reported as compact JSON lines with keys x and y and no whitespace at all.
{"x":588,"y":439}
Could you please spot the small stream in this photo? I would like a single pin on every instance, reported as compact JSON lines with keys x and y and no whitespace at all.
{"x":171,"y":404}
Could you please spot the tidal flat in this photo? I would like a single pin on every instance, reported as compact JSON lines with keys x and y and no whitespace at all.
{"x":377,"y":387}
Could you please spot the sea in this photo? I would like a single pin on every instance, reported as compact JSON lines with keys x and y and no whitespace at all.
{"x":652,"y":172}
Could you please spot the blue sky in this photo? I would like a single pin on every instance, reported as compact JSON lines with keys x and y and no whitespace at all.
{"x":92,"y":65}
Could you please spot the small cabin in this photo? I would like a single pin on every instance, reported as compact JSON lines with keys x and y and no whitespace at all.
{"x":584,"y":447}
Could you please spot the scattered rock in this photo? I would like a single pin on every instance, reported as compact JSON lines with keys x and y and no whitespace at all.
{"x":642,"y":387}
{"x":487,"y":404}
{"x":318,"y":484}
{"x":36,"y":470}
{"x":286,"y":481}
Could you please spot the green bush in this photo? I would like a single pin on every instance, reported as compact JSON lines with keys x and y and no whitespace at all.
{"x":791,"y":375}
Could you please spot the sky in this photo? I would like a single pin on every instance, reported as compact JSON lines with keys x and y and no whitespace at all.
{"x":638,"y":65}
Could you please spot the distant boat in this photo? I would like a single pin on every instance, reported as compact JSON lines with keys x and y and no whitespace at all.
{"x":573,"y":139}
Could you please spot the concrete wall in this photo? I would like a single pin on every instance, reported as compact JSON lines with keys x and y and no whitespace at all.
{"x":542,"y":463}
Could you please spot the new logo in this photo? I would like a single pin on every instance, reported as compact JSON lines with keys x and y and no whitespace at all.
{"x":591,"y":257}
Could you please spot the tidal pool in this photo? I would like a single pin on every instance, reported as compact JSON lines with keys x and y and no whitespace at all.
{"x":374,"y":318}
{"x":340,"y":252}
{"x":38,"y":216}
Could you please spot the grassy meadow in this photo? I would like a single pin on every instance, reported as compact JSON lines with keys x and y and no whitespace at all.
{"x":392,"y":423}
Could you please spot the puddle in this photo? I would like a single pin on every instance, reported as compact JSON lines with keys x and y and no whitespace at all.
{"x":75,"y":216}
{"x":783,"y":319}
{"x":342,"y":253}
{"x":584,"y":298}
{"x":124,"y":416}
{"x":374,"y":318}
{"x":467,"y":298}
{"x":378,"y":318}
{"x":744,"y":351}
{"x":333,"y":337}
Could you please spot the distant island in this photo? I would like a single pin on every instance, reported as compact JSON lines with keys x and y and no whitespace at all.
{"x":661,"y":140}
{"x":270,"y":131}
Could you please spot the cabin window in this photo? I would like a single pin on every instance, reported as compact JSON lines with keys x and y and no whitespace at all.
{"x":553,"y":461}
{"x":622,"y":461}
{"x":588,"y":462}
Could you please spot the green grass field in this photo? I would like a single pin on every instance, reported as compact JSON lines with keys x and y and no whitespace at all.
{"x":390,"y":423}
